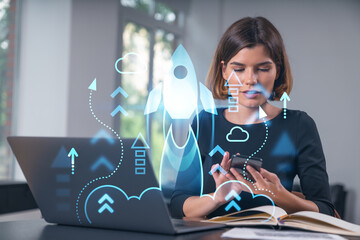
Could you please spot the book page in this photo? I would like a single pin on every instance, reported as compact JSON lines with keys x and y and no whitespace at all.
{"x":270,"y":234}
{"x":260,"y":213}
{"x":326,"y":219}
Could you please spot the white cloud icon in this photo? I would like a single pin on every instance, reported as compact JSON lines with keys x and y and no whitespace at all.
{"x":242,"y":137}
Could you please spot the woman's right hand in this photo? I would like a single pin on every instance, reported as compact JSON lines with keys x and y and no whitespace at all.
{"x":221,"y":178}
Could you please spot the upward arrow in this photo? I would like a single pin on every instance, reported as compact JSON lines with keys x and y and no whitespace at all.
{"x":231,"y":194}
{"x":104,"y":198}
{"x":285,"y":97}
{"x":73,"y":154}
{"x":93,"y":85}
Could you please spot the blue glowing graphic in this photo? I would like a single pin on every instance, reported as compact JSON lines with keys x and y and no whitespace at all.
{"x":237,"y":80}
{"x":121,"y":91}
{"x":61,"y":160}
{"x":154,"y":100}
{"x":233,"y":91}
{"x":285,"y":97}
{"x":102,"y":134}
{"x":232,"y":194}
{"x":211,"y":172}
{"x":215,"y":150}
{"x":118,"y":192}
{"x":228,"y":186}
{"x":141,"y":64}
{"x":103,"y":177}
{"x":180,"y":91}
{"x":106,"y":206}
{"x":102,"y":161}
{"x":138,"y":144}
{"x":140,"y":153}
{"x":93,"y":85}
{"x":207,"y":99}
{"x":73,"y":154}
{"x":119,"y":109}
{"x":62,"y":178}
{"x":262,"y":113}
{"x":284,"y":146}
{"x":237,"y":136}
{"x":181,"y":167}
{"x":140,"y":171}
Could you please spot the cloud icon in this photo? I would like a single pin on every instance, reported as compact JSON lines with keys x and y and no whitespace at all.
{"x":230,"y":186}
{"x":240,"y":135}
{"x":106,"y":204}
{"x":134,"y":58}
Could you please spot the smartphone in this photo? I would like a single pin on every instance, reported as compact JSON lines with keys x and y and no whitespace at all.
{"x":238,"y":162}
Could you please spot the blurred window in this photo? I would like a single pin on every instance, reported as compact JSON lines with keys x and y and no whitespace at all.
{"x":153,"y":30}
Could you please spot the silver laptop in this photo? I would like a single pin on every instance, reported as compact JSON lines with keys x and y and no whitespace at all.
{"x":97,"y":182}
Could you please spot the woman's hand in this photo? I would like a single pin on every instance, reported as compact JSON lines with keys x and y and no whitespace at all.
{"x":221,"y":179}
{"x":266,"y":183}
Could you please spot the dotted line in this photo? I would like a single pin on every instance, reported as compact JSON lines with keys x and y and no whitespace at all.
{"x":257,"y":151}
{"x":284,"y":113}
{"x":99,"y":178}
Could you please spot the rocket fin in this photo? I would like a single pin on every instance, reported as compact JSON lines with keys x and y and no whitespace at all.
{"x":207,"y":99}
{"x":153,"y":100}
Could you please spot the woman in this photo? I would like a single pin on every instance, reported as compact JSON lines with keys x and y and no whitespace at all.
{"x":250,"y":66}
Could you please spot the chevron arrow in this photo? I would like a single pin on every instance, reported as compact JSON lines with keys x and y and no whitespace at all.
{"x":119,"y":90}
{"x":119,"y":109}
{"x":232,"y":204}
{"x":104,"y":198}
{"x":215,"y":150}
{"x":231,"y":194}
{"x":105,"y":207}
{"x":102,"y":161}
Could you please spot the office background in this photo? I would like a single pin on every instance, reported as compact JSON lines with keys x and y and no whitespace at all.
{"x":64,"y":45}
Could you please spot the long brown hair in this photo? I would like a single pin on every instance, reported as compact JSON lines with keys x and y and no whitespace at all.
{"x":247,"y":33}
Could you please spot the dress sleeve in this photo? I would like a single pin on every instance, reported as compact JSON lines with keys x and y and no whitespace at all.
{"x":179,"y":197}
{"x":311,"y":166}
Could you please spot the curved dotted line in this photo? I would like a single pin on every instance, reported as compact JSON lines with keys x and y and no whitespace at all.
{"x":247,"y":159}
{"x":99,"y":178}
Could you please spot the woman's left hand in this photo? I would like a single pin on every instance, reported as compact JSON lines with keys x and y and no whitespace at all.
{"x":265,"y":182}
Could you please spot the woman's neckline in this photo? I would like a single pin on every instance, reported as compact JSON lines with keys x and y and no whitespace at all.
{"x":222,"y":112}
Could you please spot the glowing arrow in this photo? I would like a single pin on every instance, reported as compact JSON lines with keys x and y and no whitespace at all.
{"x":73,"y":154}
{"x":285,"y":97}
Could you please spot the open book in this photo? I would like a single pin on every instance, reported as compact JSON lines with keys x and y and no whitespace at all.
{"x":306,"y":220}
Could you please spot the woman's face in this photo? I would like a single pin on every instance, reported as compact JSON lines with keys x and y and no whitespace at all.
{"x":256,"y":71}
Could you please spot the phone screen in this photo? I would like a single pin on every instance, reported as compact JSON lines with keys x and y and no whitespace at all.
{"x":239,"y":161}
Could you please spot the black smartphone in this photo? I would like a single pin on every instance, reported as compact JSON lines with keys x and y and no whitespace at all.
{"x":238,"y":162}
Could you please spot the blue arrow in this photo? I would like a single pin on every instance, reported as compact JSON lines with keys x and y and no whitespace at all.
{"x":105,"y":207}
{"x":218,"y":168}
{"x":119,"y":90}
{"x":119,"y":109}
{"x":73,"y":154}
{"x":232,"y":204}
{"x":102,"y":161}
{"x":285,"y":97}
{"x":231,"y":194}
{"x":93,"y":85}
{"x":217,"y":149}
{"x":102,"y":134}
{"x":104,"y":198}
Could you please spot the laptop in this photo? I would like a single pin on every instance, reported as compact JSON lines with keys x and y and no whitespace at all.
{"x":97,"y":182}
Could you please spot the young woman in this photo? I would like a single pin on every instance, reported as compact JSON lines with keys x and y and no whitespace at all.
{"x":250,"y":65}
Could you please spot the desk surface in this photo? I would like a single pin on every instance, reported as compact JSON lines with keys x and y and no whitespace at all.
{"x":40,"y":230}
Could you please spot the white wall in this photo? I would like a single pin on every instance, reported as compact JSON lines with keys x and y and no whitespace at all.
{"x":42,"y":87}
{"x":322,"y":40}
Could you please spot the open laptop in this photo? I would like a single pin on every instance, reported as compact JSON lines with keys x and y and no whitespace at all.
{"x":97,"y":182}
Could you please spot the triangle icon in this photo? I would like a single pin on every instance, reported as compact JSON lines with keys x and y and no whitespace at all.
{"x":262,"y":113}
{"x":284,"y":146}
{"x":93,"y":85}
{"x":140,"y":143}
{"x":61,"y":160}
{"x":239,"y":84}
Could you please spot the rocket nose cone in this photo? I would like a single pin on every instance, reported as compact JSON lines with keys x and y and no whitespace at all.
{"x":180,"y":72}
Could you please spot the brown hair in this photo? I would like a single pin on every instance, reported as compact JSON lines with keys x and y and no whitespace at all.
{"x":246,"y":33}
